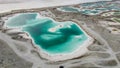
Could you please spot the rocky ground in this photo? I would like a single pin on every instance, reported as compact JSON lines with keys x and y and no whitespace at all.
{"x":103,"y":53}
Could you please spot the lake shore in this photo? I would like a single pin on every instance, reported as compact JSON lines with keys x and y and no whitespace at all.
{"x":59,"y":57}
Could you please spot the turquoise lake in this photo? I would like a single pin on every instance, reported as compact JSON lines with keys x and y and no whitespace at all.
{"x":51,"y":36}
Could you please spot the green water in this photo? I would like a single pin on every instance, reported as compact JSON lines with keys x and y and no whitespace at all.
{"x":117,"y":19}
{"x":51,"y":36}
{"x":116,"y":14}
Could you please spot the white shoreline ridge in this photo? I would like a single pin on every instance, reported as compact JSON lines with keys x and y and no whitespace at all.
{"x":60,"y":57}
{"x":8,"y":6}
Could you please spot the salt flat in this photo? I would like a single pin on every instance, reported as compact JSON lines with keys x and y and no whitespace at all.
{"x":8,"y":5}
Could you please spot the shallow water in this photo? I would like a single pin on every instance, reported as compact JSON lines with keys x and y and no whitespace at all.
{"x":20,"y":19}
{"x":92,"y":8}
{"x":69,"y":9}
{"x":51,"y":36}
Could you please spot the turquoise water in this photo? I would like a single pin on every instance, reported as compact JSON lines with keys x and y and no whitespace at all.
{"x":51,"y":36}
{"x":92,"y":8}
